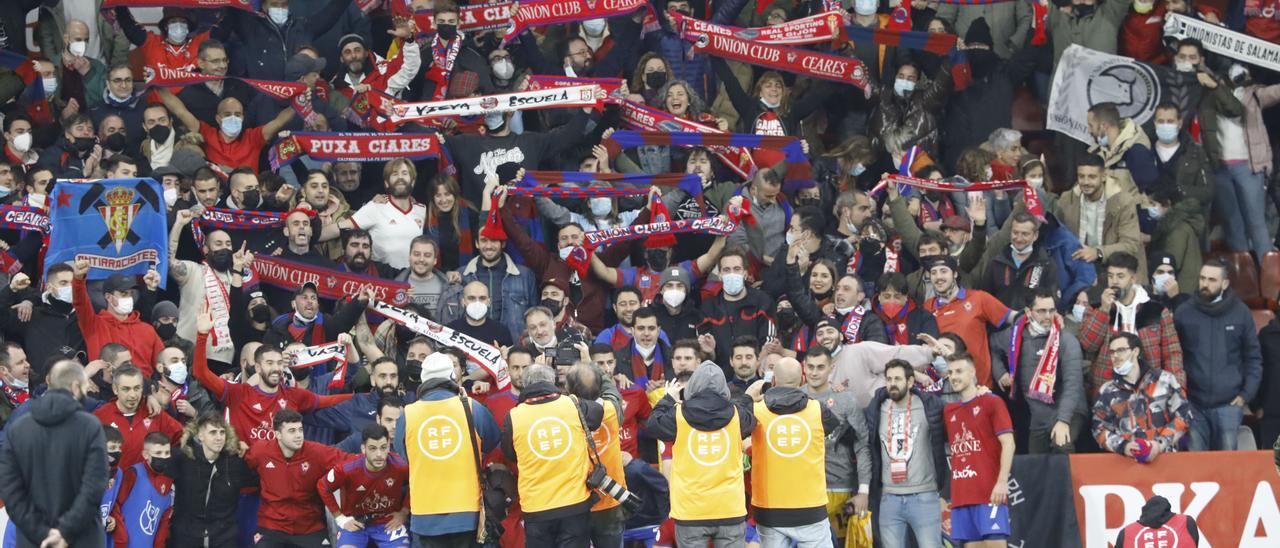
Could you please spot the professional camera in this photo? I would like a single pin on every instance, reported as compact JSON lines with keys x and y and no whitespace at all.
{"x":599,"y":479}
{"x":565,"y":353}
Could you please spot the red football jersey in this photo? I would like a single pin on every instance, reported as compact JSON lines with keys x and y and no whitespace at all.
{"x":250,"y":409}
{"x":369,"y":496}
{"x":973,"y":430}
{"x":635,"y":409}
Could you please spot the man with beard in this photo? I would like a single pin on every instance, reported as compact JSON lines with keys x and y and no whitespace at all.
{"x":1223,"y":358}
{"x":964,"y":311}
{"x":357,"y":247}
{"x":857,"y":367}
{"x":207,"y":285}
{"x":289,"y":468}
{"x":250,"y":404}
{"x":848,"y":457}
{"x":308,"y":325}
{"x":365,"y":70}
{"x":511,"y":286}
{"x":245,"y":193}
{"x":908,"y":465}
{"x":475,"y":321}
{"x":330,"y":207}
{"x":373,"y":487}
{"x":392,"y":224}
{"x":980,"y":437}
{"x":360,"y":411}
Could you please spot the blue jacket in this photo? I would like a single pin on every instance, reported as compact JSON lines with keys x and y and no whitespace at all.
{"x":486,"y":427}
{"x":1074,"y":275}
{"x":1220,"y":350}
{"x":513,"y":288}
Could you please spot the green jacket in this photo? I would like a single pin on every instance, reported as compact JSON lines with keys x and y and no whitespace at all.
{"x":1192,"y":172}
{"x":1178,"y":234}
{"x":1098,"y":31}
{"x":1219,"y":102}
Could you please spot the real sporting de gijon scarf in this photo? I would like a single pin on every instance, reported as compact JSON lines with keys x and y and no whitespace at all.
{"x":330,"y":284}
{"x":353,"y":147}
{"x":723,"y":43}
{"x":819,"y":28}
{"x":481,"y":353}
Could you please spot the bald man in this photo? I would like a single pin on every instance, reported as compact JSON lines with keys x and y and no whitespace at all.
{"x":228,"y":143}
{"x":475,"y":320}
{"x":788,"y":462}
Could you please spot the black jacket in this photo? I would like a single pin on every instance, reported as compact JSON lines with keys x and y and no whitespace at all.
{"x":51,"y":331}
{"x":727,"y":320}
{"x":705,"y":411}
{"x":785,"y":400}
{"x":983,"y":107}
{"x":919,"y":321}
{"x":334,"y":324}
{"x":264,"y":47}
{"x":53,"y":472}
{"x":1013,"y":284}
{"x":937,"y":441}
{"x":205,"y":496}
{"x":871,"y":329}
{"x":679,"y":326}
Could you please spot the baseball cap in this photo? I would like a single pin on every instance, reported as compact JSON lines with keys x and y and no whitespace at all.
{"x":956,"y":222}
{"x":119,"y":282}
{"x":301,"y":64}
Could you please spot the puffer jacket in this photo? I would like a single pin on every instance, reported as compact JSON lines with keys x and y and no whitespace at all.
{"x":1222,"y":356}
{"x":684,"y":62}
{"x":915,"y":116}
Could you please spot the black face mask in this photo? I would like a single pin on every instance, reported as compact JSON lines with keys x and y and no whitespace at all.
{"x":982,"y":62}
{"x":161,"y":464}
{"x":251,"y":199}
{"x":1083,"y":10}
{"x":447,"y":32}
{"x":787,"y":319}
{"x":166,"y":331}
{"x":220,"y":259}
{"x":869,"y":246}
{"x":655,"y":80}
{"x":159,"y":133}
{"x":113,"y":458}
{"x":658,"y":259}
{"x":553,"y":305}
{"x":85,"y":144}
{"x":260,"y":313}
{"x":487,"y":44}
{"x":115,"y":142}
{"x":808,"y":202}
{"x":301,"y":373}
{"x":413,"y":369}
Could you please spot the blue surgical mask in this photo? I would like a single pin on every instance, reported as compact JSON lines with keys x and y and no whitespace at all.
{"x":903,"y":87}
{"x":857,"y":170}
{"x":1103,"y":140}
{"x":1155,"y":212}
{"x":178,"y":32}
{"x":232,"y":125}
{"x":1167,"y":133}
{"x":4,"y":192}
{"x":50,"y":85}
{"x":278,"y":15}
{"x":733,"y":283}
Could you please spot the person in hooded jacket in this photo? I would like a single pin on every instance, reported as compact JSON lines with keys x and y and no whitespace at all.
{"x":708,"y":501}
{"x":61,"y":449}
{"x":208,"y":473}
{"x":1155,"y":523}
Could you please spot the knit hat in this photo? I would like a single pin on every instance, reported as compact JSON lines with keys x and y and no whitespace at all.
{"x":437,"y":366}
{"x":1160,"y":258}
{"x":349,"y":38}
{"x":979,"y":33}
{"x":708,"y":376}
{"x":658,"y":214}
{"x":164,"y":309}
{"x":675,"y":274}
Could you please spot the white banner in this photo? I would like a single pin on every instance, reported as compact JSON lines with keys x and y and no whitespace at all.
{"x":574,"y":96}
{"x":1224,"y":41}
{"x":1086,"y":77}
{"x":483,"y":354}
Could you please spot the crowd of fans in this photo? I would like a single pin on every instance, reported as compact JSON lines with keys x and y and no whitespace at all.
{"x":659,"y":391}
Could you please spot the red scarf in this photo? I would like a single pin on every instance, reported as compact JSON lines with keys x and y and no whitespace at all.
{"x":815,"y":29}
{"x":845,"y":70}
{"x":1262,"y":8}
{"x":959,"y":184}
{"x":640,"y":371}
{"x":896,"y":326}
{"x":442,"y":57}
{"x":549,"y":12}
{"x":1046,"y":374}
{"x":853,"y":324}
{"x":194,"y":4}
{"x":644,"y":118}
{"x":330,"y":284}
{"x":353,"y":147}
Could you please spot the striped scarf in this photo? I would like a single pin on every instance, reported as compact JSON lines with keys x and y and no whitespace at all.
{"x":933,"y":42}
{"x":799,"y":173}
{"x":640,"y":371}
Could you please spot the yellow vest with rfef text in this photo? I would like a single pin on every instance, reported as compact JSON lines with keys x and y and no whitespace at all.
{"x":551,"y":451}
{"x":706,"y":472}
{"x":442,"y":466}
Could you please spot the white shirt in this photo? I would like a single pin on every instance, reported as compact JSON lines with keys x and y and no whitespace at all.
{"x":392,"y":229}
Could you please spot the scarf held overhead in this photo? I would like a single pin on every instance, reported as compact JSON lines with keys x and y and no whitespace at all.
{"x":723,"y":43}
{"x":577,"y":96}
{"x":193,"y":4}
{"x":312,"y":356}
{"x":819,"y":28}
{"x":474,"y":18}
{"x":645,"y":118}
{"x":799,"y":173}
{"x":612,"y":86}
{"x":330,"y":284}
{"x":294,"y":92}
{"x":479,"y":352}
{"x":533,"y":183}
{"x":354,"y":147}
{"x":719,"y":226}
{"x":550,"y":12}
{"x":959,"y":184}
{"x":937,"y":43}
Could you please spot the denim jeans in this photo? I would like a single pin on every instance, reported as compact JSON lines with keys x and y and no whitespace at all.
{"x":1241,"y":203}
{"x":606,"y":528}
{"x":919,"y":512}
{"x":1216,"y":428}
{"x":721,"y":536}
{"x":814,"y":535}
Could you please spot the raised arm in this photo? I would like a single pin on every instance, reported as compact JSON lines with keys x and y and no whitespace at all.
{"x":179,"y":110}
{"x":132,"y":30}
{"x":270,"y":129}
{"x":200,"y":361}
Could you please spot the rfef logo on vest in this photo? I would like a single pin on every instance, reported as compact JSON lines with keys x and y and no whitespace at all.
{"x":788,"y":436}
{"x":439,"y":437}
{"x":709,"y":448}
{"x":550,"y":438}
{"x":1164,"y":537}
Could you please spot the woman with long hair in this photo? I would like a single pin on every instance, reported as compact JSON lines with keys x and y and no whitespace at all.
{"x":846,"y":166}
{"x":450,"y":220}
{"x":651,"y":74}
{"x":208,"y":472}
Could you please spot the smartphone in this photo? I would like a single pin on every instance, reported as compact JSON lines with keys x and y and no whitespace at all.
{"x":768,"y":376}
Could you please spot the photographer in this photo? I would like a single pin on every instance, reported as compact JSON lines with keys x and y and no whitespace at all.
{"x":544,"y":436}
{"x":588,"y":382}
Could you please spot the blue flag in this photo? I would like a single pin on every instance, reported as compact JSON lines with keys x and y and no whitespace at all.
{"x":119,"y":225}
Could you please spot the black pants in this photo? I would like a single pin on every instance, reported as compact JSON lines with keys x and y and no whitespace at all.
{"x":567,"y":532}
{"x":466,"y":539}
{"x":277,"y":539}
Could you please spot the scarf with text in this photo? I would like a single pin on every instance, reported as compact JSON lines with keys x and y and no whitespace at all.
{"x":937,"y":43}
{"x":234,"y":219}
{"x":549,"y":12}
{"x":443,"y":55}
{"x":219,"y":304}
{"x":799,"y":173}
{"x":353,"y":147}
{"x":312,"y":356}
{"x":612,"y":86}
{"x":577,"y":96}
{"x":294,"y":92}
{"x":719,"y":226}
{"x":819,"y":28}
{"x":645,"y":118}
{"x":852,"y":325}
{"x":959,"y":184}
{"x":481,"y":353}
{"x":1262,"y":8}
{"x":532,"y":184}
{"x":21,"y":217}
{"x":1046,"y":374}
{"x":845,"y":70}
{"x":193,"y":4}
{"x":330,"y":284}
{"x":473,"y":18}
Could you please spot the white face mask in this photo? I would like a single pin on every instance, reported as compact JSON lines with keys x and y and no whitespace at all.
{"x":902,"y":87}
{"x":673,"y":297}
{"x":1022,"y":251}
{"x":865,"y":7}
{"x":1124,"y":369}
{"x":477,"y":310}
{"x":646,"y":351}
{"x":601,"y":207}
{"x":594,"y":27}
{"x":278,"y":15}
{"x":178,"y":373}
{"x":1036,"y":182}
{"x":1184,"y":67}
{"x":564,"y":253}
{"x":178,"y":32}
{"x":124,"y":305}
{"x":36,"y":200}
{"x":940,"y":365}
{"x":63,"y":294}
{"x":50,"y":85}
{"x":734,"y":284}
{"x":770,"y":104}
{"x":78,"y":48}
{"x":170,"y":196}
{"x":22,"y":143}
{"x":1160,"y":282}
{"x":1077,"y":313}
{"x":503,"y":69}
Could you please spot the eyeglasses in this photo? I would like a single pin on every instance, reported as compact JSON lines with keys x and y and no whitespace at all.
{"x":1122,"y":349}
{"x":121,"y":80}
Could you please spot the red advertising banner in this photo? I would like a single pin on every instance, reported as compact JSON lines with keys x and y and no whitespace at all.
{"x":1231,"y":495}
